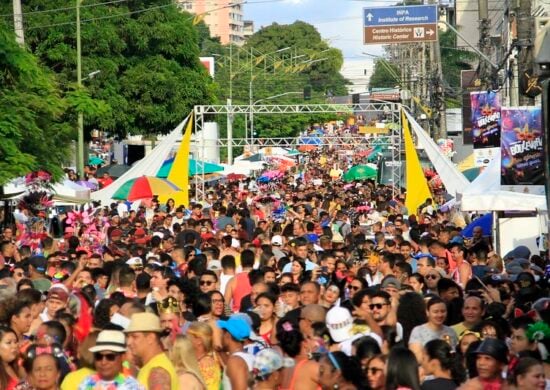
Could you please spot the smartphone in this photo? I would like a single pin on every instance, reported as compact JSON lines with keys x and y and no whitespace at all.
{"x":324,"y":269}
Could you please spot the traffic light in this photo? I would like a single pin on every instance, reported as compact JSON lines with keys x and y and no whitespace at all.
{"x":307,"y":92}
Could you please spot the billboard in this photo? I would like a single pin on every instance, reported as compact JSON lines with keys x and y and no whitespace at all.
{"x":522,"y":150}
{"x":485,"y":119}
{"x":469,"y":82}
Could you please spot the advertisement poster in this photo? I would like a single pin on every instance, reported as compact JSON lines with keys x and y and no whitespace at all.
{"x":485,"y":126}
{"x":522,"y":155}
{"x":469,"y":82}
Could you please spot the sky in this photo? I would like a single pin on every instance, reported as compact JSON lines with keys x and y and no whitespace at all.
{"x":338,"y":21}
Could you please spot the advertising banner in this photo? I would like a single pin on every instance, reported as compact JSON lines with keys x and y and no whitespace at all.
{"x":522,"y":155}
{"x":469,"y":82}
{"x":485,"y":126}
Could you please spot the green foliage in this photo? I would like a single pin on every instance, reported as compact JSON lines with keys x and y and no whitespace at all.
{"x":147,"y":53}
{"x":32,"y":128}
{"x":383,"y":74}
{"x":453,"y":61}
{"x":267,"y":68}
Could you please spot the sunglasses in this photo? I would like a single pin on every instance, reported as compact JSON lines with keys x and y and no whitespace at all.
{"x":354,"y":288}
{"x":206,"y":282}
{"x":378,"y":306}
{"x":111,"y":357}
{"x":432,"y":277}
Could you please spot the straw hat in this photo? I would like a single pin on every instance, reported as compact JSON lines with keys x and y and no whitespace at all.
{"x":110,"y":340}
{"x":144,"y":322}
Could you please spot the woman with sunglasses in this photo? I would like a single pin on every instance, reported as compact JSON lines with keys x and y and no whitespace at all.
{"x":376,"y":372}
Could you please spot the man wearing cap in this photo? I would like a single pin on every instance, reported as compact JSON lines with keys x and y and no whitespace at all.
{"x":108,"y":358}
{"x":37,"y":270}
{"x":239,"y":363}
{"x":144,"y":342}
{"x":58,"y":297}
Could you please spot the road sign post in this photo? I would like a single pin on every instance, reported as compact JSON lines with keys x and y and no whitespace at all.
{"x":402,"y":24}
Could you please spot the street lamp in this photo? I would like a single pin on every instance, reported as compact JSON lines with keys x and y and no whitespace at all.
{"x":261,"y":100}
{"x":250,"y":93}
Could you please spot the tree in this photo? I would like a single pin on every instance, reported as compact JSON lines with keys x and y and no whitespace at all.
{"x":258,"y":72}
{"x":453,"y":61}
{"x":33,"y":129}
{"x":147,"y":52}
{"x":383,"y":75}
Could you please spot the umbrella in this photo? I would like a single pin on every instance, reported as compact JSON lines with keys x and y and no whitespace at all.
{"x":145,"y":187}
{"x":254,"y":157}
{"x":293,"y":152}
{"x":93,"y":160}
{"x":195,"y":167}
{"x":485,"y":222}
{"x":360,"y":172}
{"x":115,"y":170}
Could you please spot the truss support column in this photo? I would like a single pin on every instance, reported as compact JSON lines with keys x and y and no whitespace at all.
{"x":229,"y":132}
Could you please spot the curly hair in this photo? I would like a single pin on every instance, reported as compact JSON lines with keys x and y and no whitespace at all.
{"x":11,"y":307}
{"x":102,"y":313}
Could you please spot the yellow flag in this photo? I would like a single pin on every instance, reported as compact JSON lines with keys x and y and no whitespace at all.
{"x":179,"y":174}
{"x":417,"y":186}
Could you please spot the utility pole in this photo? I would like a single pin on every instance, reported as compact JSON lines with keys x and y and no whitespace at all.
{"x":80,"y":159}
{"x":524,"y":22}
{"x":18,"y":22}
{"x":439,"y":92}
{"x":484,"y":42}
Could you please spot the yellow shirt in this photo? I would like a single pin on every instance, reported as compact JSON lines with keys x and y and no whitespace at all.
{"x":162,"y":361}
{"x":74,"y":379}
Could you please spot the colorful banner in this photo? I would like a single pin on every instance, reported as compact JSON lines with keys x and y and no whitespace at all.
{"x":522,"y":158}
{"x":469,"y":82}
{"x":485,"y":126}
{"x":417,"y":186}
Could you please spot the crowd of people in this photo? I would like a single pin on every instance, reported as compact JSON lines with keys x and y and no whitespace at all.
{"x":305,"y":283}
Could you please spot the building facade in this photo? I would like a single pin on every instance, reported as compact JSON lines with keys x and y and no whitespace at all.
{"x":223,"y":17}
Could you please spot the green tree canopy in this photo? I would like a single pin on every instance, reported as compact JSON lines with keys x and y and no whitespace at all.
{"x":282,"y":61}
{"x":383,"y":75}
{"x":146,"y":51}
{"x":34,"y":134}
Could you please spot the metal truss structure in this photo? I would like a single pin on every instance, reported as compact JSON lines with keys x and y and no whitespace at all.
{"x":390,"y":111}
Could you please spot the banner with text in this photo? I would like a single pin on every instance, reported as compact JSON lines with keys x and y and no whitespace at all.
{"x":485,"y":126}
{"x":522,"y":159}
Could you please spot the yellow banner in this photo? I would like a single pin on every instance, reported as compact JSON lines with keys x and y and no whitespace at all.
{"x":417,"y":186}
{"x":179,"y":174}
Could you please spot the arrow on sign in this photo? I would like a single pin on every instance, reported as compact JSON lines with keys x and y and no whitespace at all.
{"x":370,"y":16}
{"x":430,"y":32}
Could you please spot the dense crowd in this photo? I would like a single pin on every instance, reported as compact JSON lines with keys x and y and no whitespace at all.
{"x":304,"y":283}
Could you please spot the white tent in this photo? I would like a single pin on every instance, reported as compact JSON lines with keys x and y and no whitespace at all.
{"x":484,"y":194}
{"x":243,"y":167}
{"x":147,"y":166}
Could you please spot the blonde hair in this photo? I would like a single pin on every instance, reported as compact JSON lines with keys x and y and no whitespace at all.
{"x":183,"y":357}
{"x":203,"y":331}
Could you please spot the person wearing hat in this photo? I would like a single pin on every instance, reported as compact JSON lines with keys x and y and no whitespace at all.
{"x":37,"y":271}
{"x":239,"y":363}
{"x":268,"y":365}
{"x":57,"y":299}
{"x":144,"y":342}
{"x":491,"y":359}
{"x":109,"y":353}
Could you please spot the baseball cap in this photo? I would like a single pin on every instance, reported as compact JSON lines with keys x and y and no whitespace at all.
{"x":236,"y":326}
{"x":390,"y":281}
{"x":39,"y":263}
{"x":277,"y":240}
{"x":339,"y":323}
{"x":58,"y":291}
{"x":269,"y":360}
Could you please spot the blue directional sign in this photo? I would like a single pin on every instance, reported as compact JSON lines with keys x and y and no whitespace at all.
{"x":400,"y":24}
{"x":392,"y":16}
